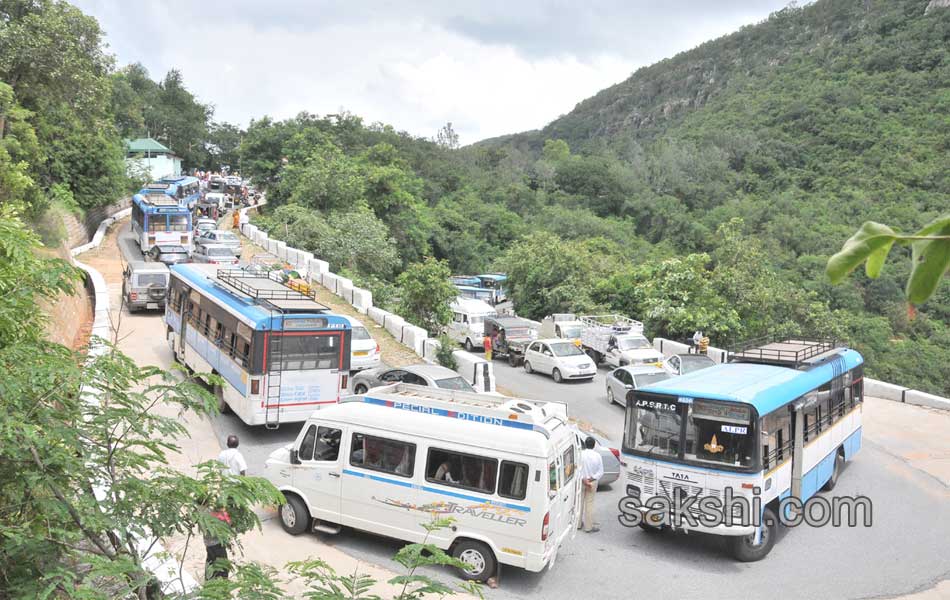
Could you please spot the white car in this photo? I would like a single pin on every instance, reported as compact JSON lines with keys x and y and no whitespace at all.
{"x":364,"y":351}
{"x":204,"y":224}
{"x":681,"y":364}
{"x":562,"y":359}
{"x":214,"y":254}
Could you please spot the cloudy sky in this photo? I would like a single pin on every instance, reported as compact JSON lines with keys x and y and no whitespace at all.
{"x":490,"y":67}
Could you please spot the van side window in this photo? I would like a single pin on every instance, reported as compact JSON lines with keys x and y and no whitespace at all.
{"x":328,"y":443}
{"x":306,"y":446}
{"x":381,"y":454}
{"x":552,"y":477}
{"x":467,"y":471}
{"x":567,"y":465}
{"x":513,"y":481}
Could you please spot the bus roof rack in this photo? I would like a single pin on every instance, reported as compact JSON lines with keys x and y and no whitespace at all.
{"x":469,"y":406}
{"x":783,"y":351}
{"x":270,"y":290}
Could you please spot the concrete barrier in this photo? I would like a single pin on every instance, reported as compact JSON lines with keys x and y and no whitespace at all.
{"x":717,"y":354}
{"x":344,"y":289}
{"x":362,"y":299}
{"x":378,"y":315}
{"x":394,"y":325}
{"x":304,"y":258}
{"x":415,"y":338}
{"x":272,"y":246}
{"x":318,"y":267}
{"x":291,"y":257}
{"x":475,"y":370}
{"x":101,"y":232}
{"x":281,"y":250}
{"x":430,"y":347}
{"x":897,"y":393}
{"x":329,"y":281}
{"x":669,"y":347}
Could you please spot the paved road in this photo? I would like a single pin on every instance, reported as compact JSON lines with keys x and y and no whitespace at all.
{"x":906,"y":549}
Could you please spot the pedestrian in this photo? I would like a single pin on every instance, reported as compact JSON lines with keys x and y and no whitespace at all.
{"x":697,"y":337}
{"x":592,"y":469}
{"x":232,"y":458}
{"x":215,"y":547}
{"x":486,"y":342}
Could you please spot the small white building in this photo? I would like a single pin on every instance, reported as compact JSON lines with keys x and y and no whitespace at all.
{"x":145,"y":156}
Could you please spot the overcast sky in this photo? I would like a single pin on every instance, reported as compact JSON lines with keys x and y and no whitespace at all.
{"x":490,"y":67}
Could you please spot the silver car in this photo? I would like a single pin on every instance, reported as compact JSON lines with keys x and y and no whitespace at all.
{"x":608,"y":454}
{"x":222,"y":238}
{"x":622,"y":380}
{"x":427,"y":375}
{"x":214,"y":254}
{"x":681,"y":364}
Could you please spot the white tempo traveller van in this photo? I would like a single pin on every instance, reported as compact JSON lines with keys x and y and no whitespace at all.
{"x":468,"y":321}
{"x":503,"y":468}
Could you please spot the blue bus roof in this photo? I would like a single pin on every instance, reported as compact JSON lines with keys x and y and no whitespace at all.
{"x":149,"y":207}
{"x":765,"y":387}
{"x":494,"y":277}
{"x":252,"y":313}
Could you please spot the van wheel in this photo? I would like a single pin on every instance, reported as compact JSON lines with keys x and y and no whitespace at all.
{"x":527,"y":367}
{"x":479,"y":557}
{"x":557,"y":376}
{"x":468,"y":345}
{"x":839,"y":464}
{"x":223,"y":406}
{"x":294,"y":516}
{"x":744,"y":547}
{"x":360,"y":389}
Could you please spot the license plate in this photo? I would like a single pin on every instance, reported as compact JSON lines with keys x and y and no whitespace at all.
{"x":361,"y":353}
{"x":151,"y":305}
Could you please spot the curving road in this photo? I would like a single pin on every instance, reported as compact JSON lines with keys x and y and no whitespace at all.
{"x":903,"y":468}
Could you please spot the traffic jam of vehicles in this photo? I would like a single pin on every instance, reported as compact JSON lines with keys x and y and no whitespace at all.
{"x":381,"y":448}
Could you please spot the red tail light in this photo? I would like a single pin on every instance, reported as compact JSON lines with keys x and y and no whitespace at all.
{"x":255,"y":386}
{"x":377,"y":348}
{"x":615,"y":452}
{"x":133,"y":296}
{"x":544,"y":526}
{"x":344,"y":382}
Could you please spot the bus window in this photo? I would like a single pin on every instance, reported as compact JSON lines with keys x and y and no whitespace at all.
{"x":178,"y":223}
{"x":156,"y":222}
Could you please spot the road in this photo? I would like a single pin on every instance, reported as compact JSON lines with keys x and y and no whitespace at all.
{"x":905,"y":550}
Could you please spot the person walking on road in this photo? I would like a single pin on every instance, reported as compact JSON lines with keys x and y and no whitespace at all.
{"x":232,"y":458}
{"x":592,"y":469}
{"x":216,"y":548}
{"x":486,"y":342}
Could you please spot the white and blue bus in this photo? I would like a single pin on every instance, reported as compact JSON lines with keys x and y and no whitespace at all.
{"x":281,"y":354}
{"x":184,"y":188}
{"x":778,"y":423}
{"x":160,"y":220}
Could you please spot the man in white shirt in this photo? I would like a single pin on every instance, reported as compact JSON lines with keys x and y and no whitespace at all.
{"x":232,"y":459}
{"x":592,"y":469}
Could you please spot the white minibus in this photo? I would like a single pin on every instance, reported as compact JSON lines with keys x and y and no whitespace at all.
{"x":468,"y":318}
{"x":396,"y":457}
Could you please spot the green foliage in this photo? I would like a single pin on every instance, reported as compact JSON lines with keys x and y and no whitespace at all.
{"x":872,"y":243}
{"x":445,"y":355}
{"x":426,"y":293}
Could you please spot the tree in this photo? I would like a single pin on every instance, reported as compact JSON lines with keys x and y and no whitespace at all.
{"x":426,"y":293}
{"x":327,"y":180}
{"x":19,"y":149}
{"x":224,"y":140}
{"x":447,"y":138}
{"x":56,"y":535}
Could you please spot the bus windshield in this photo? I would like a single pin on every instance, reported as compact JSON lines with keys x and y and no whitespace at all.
{"x":719,"y":433}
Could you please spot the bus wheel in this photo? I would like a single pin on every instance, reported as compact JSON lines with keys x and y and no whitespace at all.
{"x":469,"y":346}
{"x":294,"y":516}
{"x":744,"y":547}
{"x":839,"y":464}
{"x":479,"y":557}
{"x":651,"y":528}
{"x":223,"y":406}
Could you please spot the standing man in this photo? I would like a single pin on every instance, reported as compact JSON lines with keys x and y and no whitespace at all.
{"x":592,"y":469}
{"x":232,"y":458}
{"x":216,"y":548}
{"x":486,"y":342}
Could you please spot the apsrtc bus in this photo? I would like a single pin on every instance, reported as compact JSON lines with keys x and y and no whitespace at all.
{"x":160,"y":220}
{"x":281,"y":354}
{"x":782,"y":418}
{"x":185,"y":188}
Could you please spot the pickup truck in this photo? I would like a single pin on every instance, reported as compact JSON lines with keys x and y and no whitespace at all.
{"x":618,"y":341}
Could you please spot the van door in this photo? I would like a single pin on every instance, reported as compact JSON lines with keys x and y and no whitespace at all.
{"x":319,"y":474}
{"x":569,"y":494}
{"x":555,"y":504}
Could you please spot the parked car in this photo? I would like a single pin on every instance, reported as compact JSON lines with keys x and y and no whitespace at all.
{"x":681,"y":364}
{"x":145,"y":285}
{"x":608,"y":454}
{"x":510,"y":336}
{"x":214,"y":254}
{"x":622,"y":380}
{"x":204,"y":224}
{"x":223,"y":238}
{"x":562,"y":359}
{"x":364,"y":351}
{"x":427,"y":375}
{"x":170,"y":255}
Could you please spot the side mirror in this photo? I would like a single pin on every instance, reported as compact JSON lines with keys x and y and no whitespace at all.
{"x":294,"y":458}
